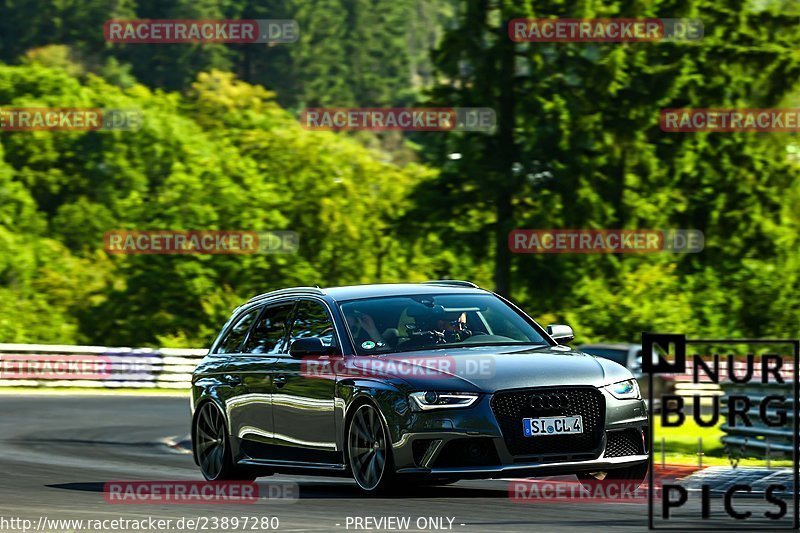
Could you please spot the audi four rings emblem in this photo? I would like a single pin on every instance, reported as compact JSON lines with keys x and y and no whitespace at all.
{"x":549,"y":401}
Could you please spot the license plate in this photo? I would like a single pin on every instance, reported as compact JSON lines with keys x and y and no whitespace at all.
{"x":552,"y":425}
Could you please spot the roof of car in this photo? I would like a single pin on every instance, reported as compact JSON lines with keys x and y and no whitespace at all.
{"x":355,"y":292}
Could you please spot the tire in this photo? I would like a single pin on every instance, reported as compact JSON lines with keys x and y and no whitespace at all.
{"x":212,"y":449}
{"x":369,"y":454}
{"x":629,"y":478}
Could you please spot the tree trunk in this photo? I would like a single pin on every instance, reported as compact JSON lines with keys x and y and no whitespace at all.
{"x":502,"y":267}
{"x":504,"y":163}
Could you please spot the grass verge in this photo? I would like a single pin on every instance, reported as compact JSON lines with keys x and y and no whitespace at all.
{"x":681,"y":447}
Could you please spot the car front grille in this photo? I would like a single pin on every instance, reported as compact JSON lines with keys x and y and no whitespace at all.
{"x":625,"y":442}
{"x":511,"y":406}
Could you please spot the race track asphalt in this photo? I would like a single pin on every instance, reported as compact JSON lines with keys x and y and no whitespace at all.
{"x":58,"y":451}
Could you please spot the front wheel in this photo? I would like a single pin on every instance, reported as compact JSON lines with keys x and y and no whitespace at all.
{"x":628,"y":478}
{"x":212,"y":447}
{"x":368,"y":452}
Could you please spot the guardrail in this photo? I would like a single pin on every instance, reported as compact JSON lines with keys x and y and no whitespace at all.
{"x":45,"y":365}
{"x":171,"y":368}
{"x":759,"y":437}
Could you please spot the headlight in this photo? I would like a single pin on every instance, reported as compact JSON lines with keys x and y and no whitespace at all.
{"x":425,"y":401}
{"x":625,"y":390}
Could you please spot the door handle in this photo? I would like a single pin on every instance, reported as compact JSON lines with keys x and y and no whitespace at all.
{"x":280,"y":381}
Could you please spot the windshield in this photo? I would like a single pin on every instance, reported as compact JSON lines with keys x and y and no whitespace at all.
{"x":406,"y":323}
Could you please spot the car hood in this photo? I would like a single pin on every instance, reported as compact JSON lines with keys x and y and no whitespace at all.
{"x":489,"y":369}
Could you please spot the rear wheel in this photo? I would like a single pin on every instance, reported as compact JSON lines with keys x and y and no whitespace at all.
{"x":368,"y":452}
{"x":628,"y":478}
{"x":212,"y":447}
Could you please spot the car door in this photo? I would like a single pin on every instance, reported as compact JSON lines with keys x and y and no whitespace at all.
{"x":254,"y":427}
{"x":231,"y":364}
{"x":303,"y":403}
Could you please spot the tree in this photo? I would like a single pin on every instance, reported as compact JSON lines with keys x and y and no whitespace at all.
{"x":578,"y":145}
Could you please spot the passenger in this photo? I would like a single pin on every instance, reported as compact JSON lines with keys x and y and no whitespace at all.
{"x":363,"y":329}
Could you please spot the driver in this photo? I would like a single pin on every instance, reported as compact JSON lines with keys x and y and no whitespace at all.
{"x":453,"y":322}
{"x":454,"y":329}
{"x":440,"y":327}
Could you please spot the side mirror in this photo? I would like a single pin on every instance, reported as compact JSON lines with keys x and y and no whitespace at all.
{"x":309,"y":346}
{"x":561,"y":333}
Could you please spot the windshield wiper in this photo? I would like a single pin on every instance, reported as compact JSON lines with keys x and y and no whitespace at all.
{"x":535,"y":344}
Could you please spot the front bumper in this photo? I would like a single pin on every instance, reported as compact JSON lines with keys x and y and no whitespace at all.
{"x":469,"y":443}
{"x":531,"y":469}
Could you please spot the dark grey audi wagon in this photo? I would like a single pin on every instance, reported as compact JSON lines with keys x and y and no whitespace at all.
{"x":427,"y":383}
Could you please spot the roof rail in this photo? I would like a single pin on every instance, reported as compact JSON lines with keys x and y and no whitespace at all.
{"x":290,"y":290}
{"x":451,"y":282}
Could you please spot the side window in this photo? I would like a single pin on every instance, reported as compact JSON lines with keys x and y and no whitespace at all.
{"x":312,"y":320}
{"x":233,"y":340}
{"x":270,"y":330}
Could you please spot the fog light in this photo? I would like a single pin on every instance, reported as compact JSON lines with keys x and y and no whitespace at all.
{"x":475,"y":451}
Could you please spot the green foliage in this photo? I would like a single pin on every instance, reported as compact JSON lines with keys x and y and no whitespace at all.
{"x":350,"y":52}
{"x":577,"y":145}
{"x":224,"y":157}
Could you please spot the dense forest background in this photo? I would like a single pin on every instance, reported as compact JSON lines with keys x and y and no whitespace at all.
{"x":578,"y":145}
